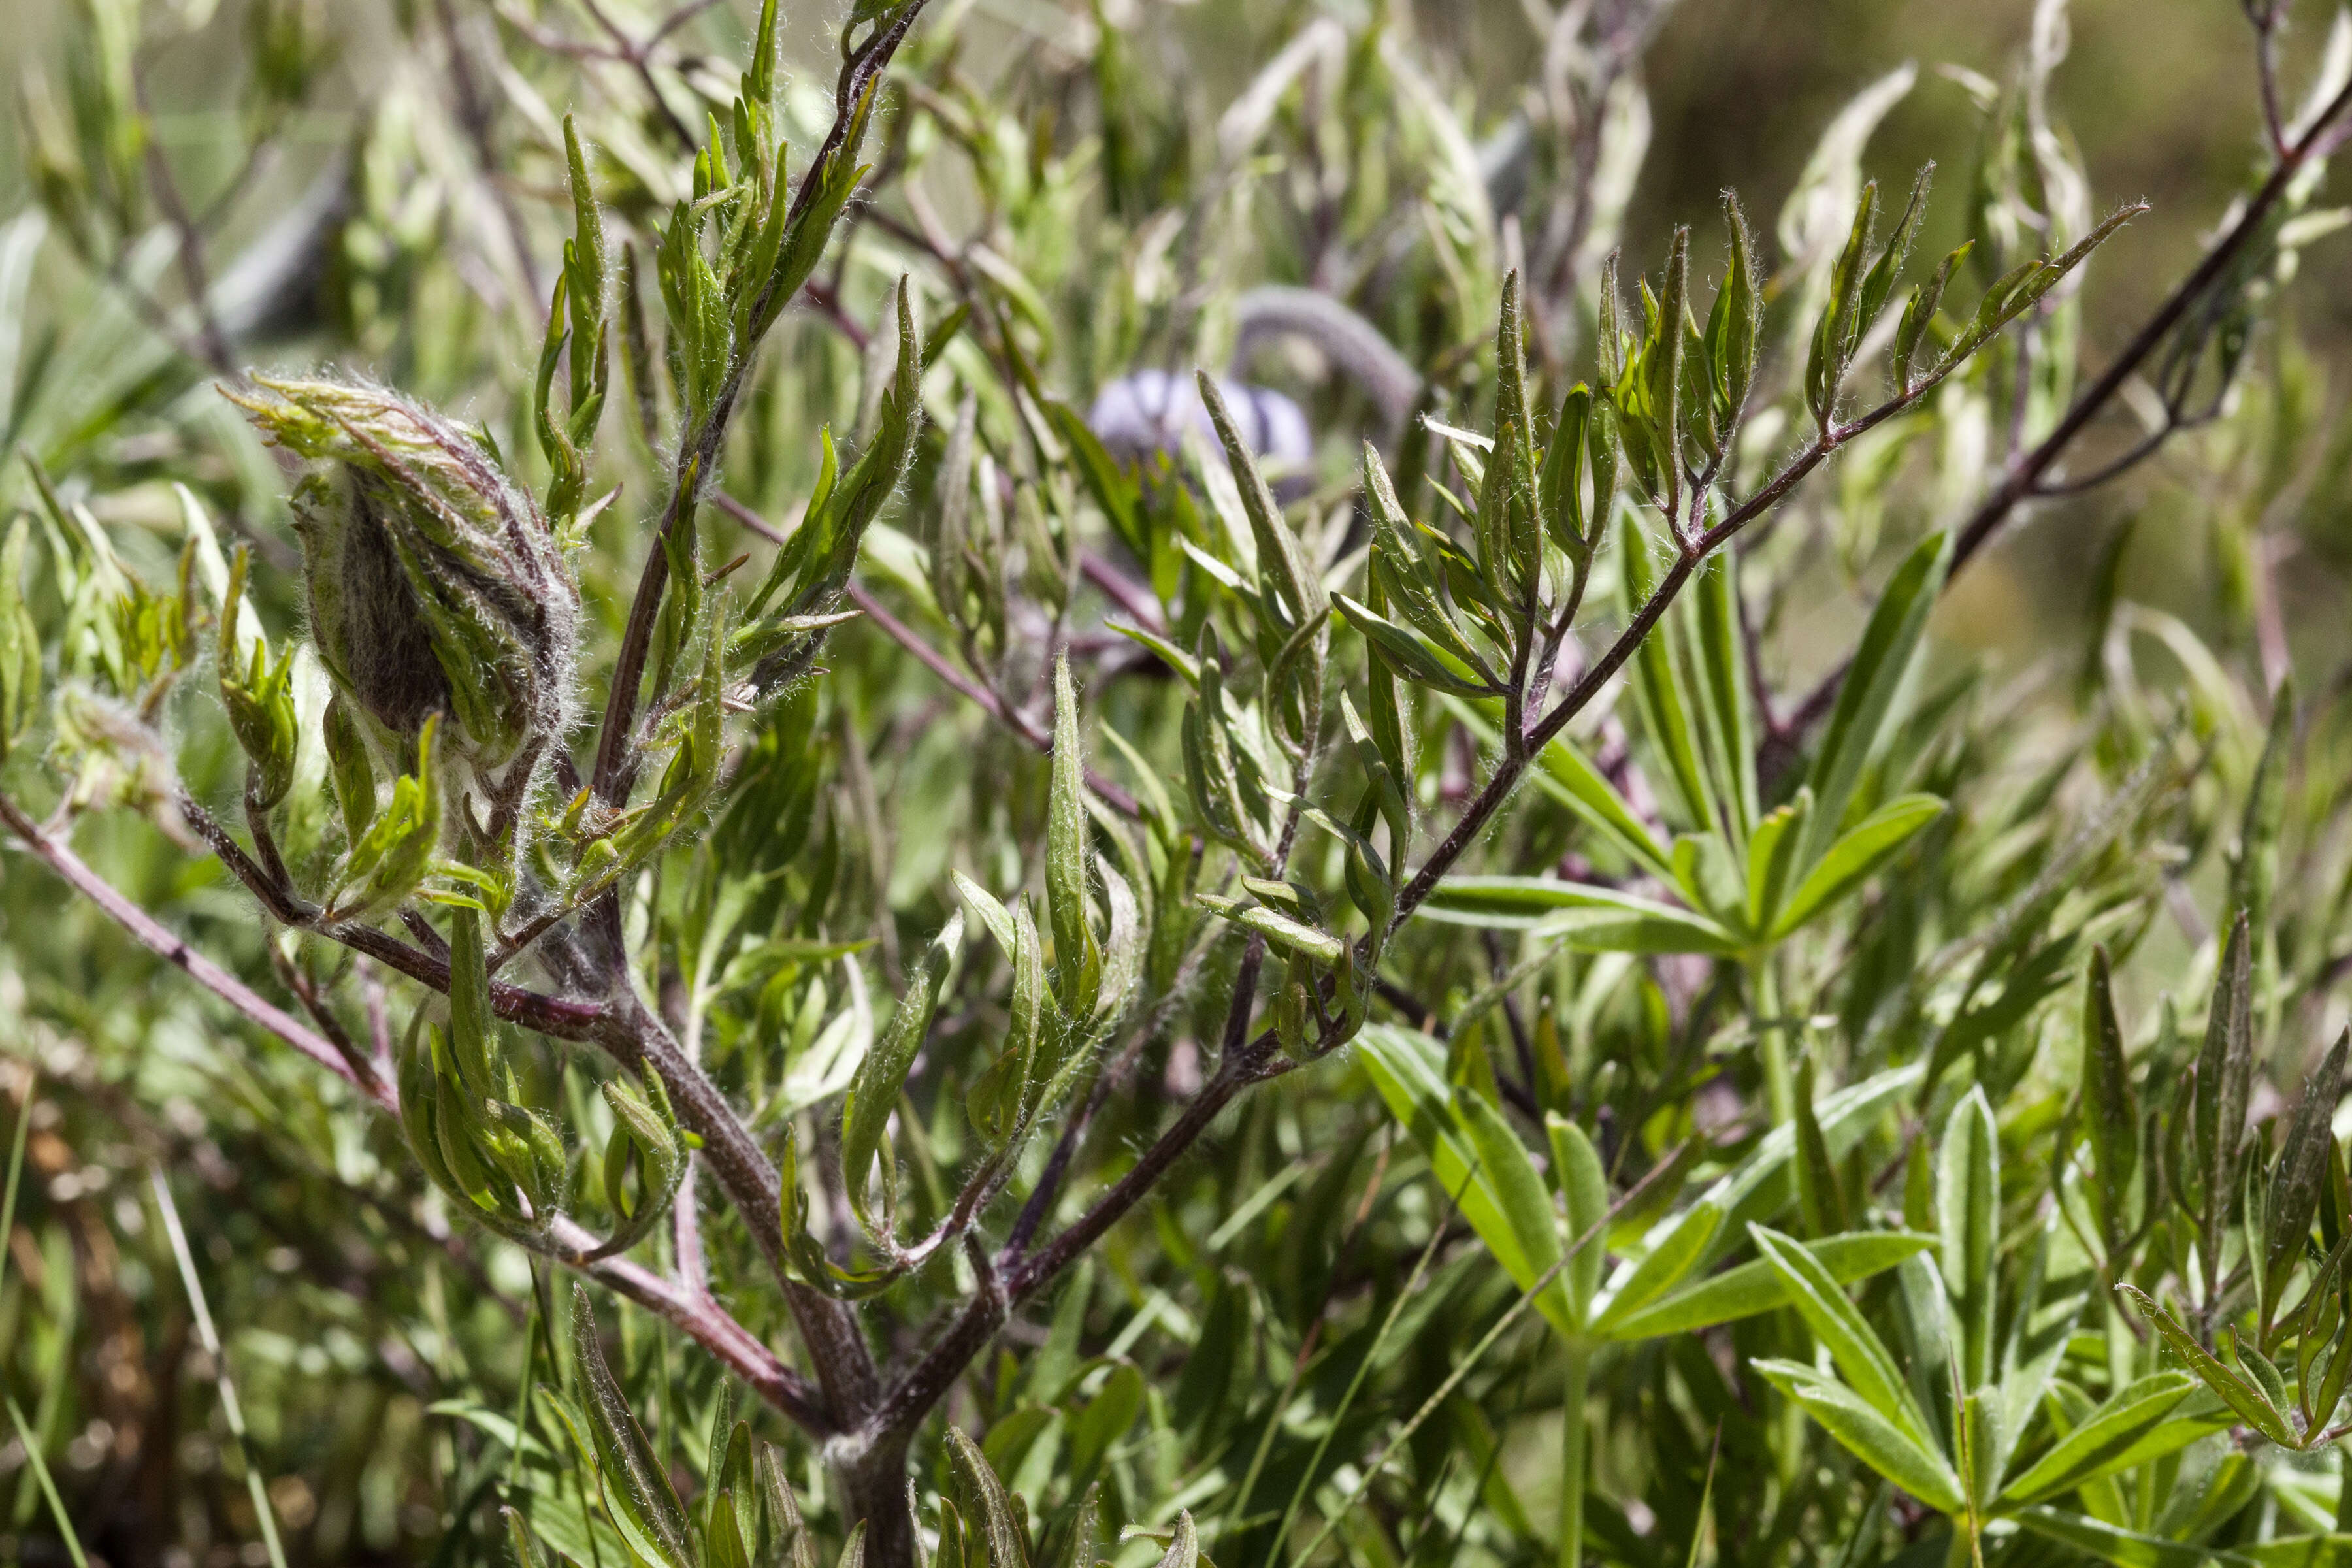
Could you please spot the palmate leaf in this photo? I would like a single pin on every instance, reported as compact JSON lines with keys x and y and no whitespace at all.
{"x":1670,"y":1257}
{"x":1763,"y":1183}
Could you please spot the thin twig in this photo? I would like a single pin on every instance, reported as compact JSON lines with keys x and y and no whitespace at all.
{"x":2027,"y":478}
{"x":189,"y":244}
{"x":639,"y":58}
{"x":160,"y":940}
{"x":474,"y":114}
{"x":1011,"y":718}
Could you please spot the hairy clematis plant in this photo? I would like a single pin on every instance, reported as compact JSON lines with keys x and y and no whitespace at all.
{"x":1249,"y":976}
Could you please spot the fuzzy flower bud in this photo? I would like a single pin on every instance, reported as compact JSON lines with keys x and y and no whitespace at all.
{"x":435,"y":583}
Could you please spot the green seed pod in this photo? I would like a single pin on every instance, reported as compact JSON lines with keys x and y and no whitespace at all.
{"x":435,"y":583}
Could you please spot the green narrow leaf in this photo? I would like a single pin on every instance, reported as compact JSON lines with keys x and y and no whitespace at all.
{"x":1757,"y":1287}
{"x":1978,"y":1446}
{"x":2224,"y":1075}
{"x":1588,"y":919}
{"x":1658,"y":685}
{"x":2235,"y":1390}
{"x":723,"y":1538}
{"x":2111,"y":1116}
{"x":1771,"y":857}
{"x":1834,"y":334}
{"x":1278,"y":549}
{"x":1585,"y":1188}
{"x":1848,"y":862}
{"x":993,"y":913}
{"x":1729,"y":729}
{"x":874,"y":1092}
{"x":1863,"y":1360}
{"x":1112,"y":491}
{"x":1967,"y":1202}
{"x":1880,"y":283}
{"x":1407,"y":652}
{"x":636,"y":1489}
{"x":988,"y":1504}
{"x":2105,"y":1435}
{"x":1408,"y":1070}
{"x":1743,"y":312}
{"x":1082,"y":1538}
{"x":1919,"y":315}
{"x":1881,"y":661}
{"x":20,"y":643}
{"x":1402,"y":576}
{"x":2123,"y":1548}
{"x":1069,"y":858}
{"x":1761,"y":1185}
{"x":1291,"y":935}
{"x":1868,"y":1435}
{"x":1666,"y":386}
{"x":1183,"y":1546}
{"x":1672,"y":1257}
{"x":2306,"y":1158}
{"x":1819,"y":1202}
{"x":1519,"y":1191}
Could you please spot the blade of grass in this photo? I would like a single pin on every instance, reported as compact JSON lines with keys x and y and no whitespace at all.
{"x":17,"y":1168}
{"x":48,"y":1488}
{"x":1364,"y":1366}
{"x":1444,"y":1391}
{"x":210,"y":1337}
{"x":1233,"y":1519}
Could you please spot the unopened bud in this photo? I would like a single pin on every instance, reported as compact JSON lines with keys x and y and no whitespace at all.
{"x":259,"y":698}
{"x":435,"y":583}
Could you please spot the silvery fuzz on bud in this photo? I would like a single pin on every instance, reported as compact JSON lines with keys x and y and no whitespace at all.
{"x":436,"y":582}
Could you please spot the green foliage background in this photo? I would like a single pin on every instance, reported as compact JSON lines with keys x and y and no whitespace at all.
{"x":2098,"y":710}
